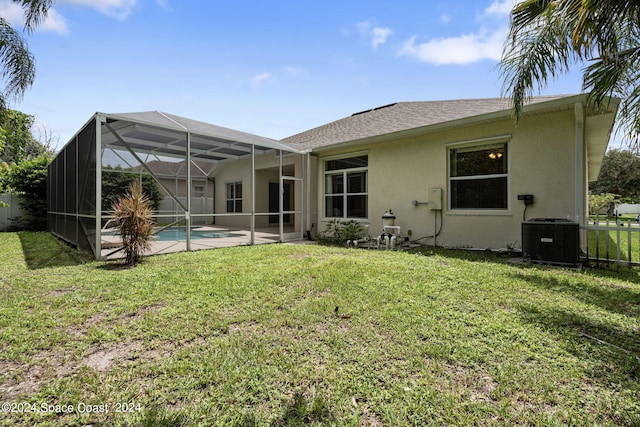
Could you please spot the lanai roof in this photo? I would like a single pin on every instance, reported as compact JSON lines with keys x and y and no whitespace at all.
{"x":156,"y":132}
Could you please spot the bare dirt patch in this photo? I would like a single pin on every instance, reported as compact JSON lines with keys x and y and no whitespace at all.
{"x":477,"y":384}
{"x":102,"y":360}
{"x":59,"y":292}
{"x":246,"y":328}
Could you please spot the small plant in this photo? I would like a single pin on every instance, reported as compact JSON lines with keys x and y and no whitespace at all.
{"x":133,"y":217}
{"x":338,"y":232}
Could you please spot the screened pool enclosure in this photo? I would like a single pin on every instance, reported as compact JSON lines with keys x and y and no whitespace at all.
{"x":211,"y":186}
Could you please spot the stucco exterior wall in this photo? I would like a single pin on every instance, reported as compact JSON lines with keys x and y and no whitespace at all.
{"x":266,"y":172}
{"x":541,"y":156}
{"x":179,"y":186}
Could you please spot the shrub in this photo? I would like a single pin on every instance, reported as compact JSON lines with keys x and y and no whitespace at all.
{"x":116,"y":181}
{"x":339,"y":232}
{"x":133,"y":217}
{"x":29,"y":179}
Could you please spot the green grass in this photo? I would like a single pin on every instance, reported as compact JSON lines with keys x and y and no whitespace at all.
{"x":249,"y":336}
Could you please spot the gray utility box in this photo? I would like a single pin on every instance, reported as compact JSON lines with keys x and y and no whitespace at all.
{"x":551,"y":240}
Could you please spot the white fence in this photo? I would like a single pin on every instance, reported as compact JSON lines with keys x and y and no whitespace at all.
{"x":13,"y":211}
{"x":616,"y":241}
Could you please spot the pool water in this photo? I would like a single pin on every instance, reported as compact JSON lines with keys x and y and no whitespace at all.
{"x":180,"y":233}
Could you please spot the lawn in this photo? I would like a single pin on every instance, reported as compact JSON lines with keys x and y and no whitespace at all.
{"x":276,"y":335}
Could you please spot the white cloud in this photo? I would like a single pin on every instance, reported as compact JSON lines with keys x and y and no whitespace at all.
{"x":118,"y":9}
{"x":376,"y":35}
{"x":379,"y":36}
{"x":54,"y":22}
{"x":260,"y":79}
{"x":500,"y":8}
{"x":485,"y":43}
{"x":14,"y":14}
{"x":445,"y":18}
{"x":464,"y":49}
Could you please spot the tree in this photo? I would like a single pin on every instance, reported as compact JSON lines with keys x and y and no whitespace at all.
{"x":598,"y":202}
{"x":116,"y":182}
{"x":18,"y":65}
{"x":4,"y":168}
{"x":29,"y":179}
{"x":133,"y":216}
{"x":548,"y":37}
{"x":17,"y":143}
{"x":619,"y":174}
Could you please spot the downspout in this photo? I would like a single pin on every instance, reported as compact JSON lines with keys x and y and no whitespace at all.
{"x":580,"y":167}
{"x":580,"y":162}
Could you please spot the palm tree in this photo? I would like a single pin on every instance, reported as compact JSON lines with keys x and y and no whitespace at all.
{"x":18,"y":66}
{"x":549,"y":37}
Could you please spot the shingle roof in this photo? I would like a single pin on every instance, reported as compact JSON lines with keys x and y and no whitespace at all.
{"x":398,"y":117}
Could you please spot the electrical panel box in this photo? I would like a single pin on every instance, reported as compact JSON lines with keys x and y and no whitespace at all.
{"x":435,"y":199}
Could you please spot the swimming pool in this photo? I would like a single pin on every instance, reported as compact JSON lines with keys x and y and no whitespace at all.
{"x":180,"y":233}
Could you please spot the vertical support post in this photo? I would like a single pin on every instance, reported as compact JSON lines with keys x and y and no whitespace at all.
{"x":76,"y":208}
{"x":66,"y":190}
{"x":253,"y":194}
{"x":280,"y":197}
{"x":98,"y":224}
{"x":629,"y":237}
{"x":187,"y":214}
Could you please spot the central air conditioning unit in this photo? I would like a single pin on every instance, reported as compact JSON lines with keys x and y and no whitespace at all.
{"x":551,"y":240}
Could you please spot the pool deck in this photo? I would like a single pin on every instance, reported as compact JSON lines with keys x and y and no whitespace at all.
{"x":261,"y":236}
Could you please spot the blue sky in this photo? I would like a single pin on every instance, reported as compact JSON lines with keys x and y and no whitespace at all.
{"x":273,"y":68}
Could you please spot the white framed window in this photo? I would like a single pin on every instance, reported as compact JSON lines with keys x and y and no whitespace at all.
{"x":234,"y":196}
{"x":198,"y":191}
{"x":346,"y":187}
{"x":478,"y":177}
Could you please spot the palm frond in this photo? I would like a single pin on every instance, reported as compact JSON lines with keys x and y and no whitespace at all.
{"x":35,"y":11}
{"x":535,"y":52}
{"x":547,"y":37}
{"x":18,"y":64}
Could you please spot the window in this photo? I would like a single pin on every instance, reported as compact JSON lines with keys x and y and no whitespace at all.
{"x":198,"y":191}
{"x":346,"y":188}
{"x":478,"y":177}
{"x":234,"y":197}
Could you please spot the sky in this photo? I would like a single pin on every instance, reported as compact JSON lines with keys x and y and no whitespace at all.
{"x":273,"y":68}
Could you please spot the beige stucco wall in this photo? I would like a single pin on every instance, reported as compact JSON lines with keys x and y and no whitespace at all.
{"x":179,"y":187}
{"x":266,"y":171}
{"x":541,"y":162}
